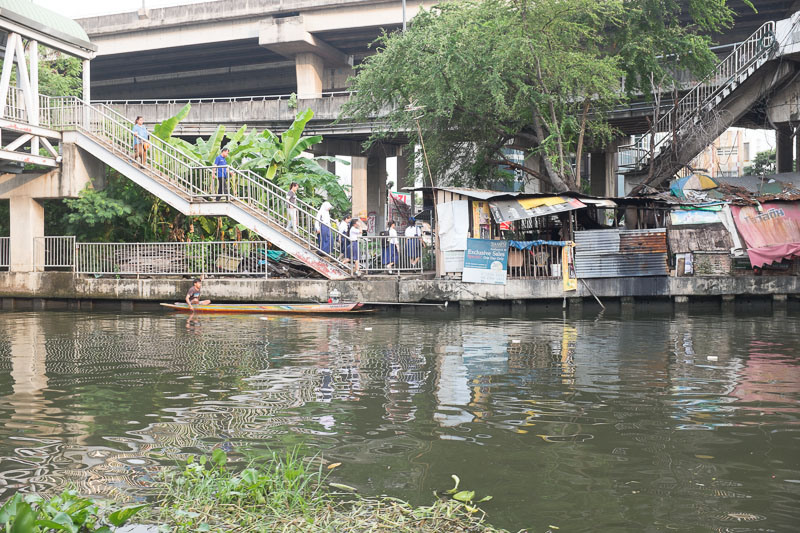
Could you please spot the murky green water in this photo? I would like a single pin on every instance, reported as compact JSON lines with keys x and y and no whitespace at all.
{"x":612,"y":423}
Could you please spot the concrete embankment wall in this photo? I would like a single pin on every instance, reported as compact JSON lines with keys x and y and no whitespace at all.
{"x":66,"y":286}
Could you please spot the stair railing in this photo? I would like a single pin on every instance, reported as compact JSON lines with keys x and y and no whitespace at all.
{"x":191,"y":176}
{"x":704,"y":96}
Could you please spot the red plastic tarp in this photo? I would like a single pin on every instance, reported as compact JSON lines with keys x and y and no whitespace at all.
{"x":772,"y":233}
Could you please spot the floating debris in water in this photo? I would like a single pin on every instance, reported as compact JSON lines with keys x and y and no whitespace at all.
{"x":578,"y":437}
{"x":515,"y":341}
{"x":367,"y":329}
{"x":712,"y":358}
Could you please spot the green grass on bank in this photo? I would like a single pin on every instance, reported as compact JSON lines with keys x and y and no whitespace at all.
{"x":286,"y":493}
{"x":279,"y":493}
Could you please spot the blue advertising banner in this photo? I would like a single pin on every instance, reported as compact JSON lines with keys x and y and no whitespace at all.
{"x":485,"y":261}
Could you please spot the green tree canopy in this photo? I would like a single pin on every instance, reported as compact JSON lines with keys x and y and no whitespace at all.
{"x":483,"y":75}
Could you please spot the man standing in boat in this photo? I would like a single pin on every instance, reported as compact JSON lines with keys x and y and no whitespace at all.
{"x":193,"y":296}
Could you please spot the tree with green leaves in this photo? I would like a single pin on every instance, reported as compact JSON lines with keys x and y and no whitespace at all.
{"x":763,"y":163}
{"x":276,"y":158}
{"x":482,"y":75}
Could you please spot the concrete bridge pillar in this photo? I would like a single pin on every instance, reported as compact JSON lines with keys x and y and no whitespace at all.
{"x":603,"y":170}
{"x":533,"y":162}
{"x":369,"y":190}
{"x":783,"y":148}
{"x":405,"y":177}
{"x":358,"y":184}
{"x":27,"y":223}
{"x":310,"y":70}
{"x":376,"y":191}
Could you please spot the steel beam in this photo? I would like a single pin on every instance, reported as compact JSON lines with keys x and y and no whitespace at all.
{"x":37,"y":131}
{"x":28,"y":158}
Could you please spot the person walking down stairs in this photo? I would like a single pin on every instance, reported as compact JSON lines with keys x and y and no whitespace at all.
{"x":221,"y":167}
{"x":140,"y":138}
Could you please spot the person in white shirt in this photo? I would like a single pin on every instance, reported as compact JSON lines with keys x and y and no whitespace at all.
{"x":390,"y":248}
{"x":291,"y":198}
{"x":413,"y":247}
{"x":323,"y":226}
{"x":344,"y":240}
{"x":354,"y":232}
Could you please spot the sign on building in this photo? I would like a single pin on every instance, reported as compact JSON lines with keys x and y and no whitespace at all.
{"x":485,"y":261}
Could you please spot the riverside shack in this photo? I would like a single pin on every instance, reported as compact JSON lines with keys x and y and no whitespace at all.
{"x":540,"y":231}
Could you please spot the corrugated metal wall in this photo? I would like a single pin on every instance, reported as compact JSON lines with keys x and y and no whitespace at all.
{"x":615,"y":253}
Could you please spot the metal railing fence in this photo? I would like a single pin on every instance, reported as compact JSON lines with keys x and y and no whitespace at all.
{"x":219,"y":100}
{"x":189,"y":175}
{"x":538,"y":262}
{"x":391,"y":254}
{"x":734,"y":69}
{"x":220,"y":258}
{"x":55,"y":251}
{"x":5,"y":249}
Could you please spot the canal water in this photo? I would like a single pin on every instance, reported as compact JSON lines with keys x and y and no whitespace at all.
{"x":638,"y":420}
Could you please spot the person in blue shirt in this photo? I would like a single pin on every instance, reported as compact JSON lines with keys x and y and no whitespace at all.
{"x":221,"y":165}
{"x":140,"y":138}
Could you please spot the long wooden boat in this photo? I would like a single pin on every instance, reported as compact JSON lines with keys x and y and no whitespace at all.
{"x":268,"y":308}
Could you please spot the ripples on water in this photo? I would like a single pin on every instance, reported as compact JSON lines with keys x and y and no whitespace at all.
{"x":619,"y":423}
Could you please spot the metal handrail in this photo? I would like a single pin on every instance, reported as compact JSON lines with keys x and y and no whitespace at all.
{"x":219,"y":100}
{"x":233,"y":258}
{"x":703,"y":97}
{"x":190,"y":175}
{"x":55,"y":251}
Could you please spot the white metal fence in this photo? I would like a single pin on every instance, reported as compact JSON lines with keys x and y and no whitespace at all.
{"x":221,"y":258}
{"x":57,"y":252}
{"x":383,"y":254}
{"x":4,"y":251}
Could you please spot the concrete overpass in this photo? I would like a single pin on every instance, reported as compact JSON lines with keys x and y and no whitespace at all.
{"x":254,"y":47}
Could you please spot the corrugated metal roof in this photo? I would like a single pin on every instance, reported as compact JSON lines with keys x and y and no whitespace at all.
{"x":479,"y":194}
{"x":616,"y":253}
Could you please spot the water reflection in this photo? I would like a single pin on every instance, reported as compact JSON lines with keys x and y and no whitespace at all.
{"x":628,"y":423}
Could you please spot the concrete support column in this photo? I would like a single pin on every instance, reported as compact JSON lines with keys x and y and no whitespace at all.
{"x":405,"y":175}
{"x":533,"y":162}
{"x":597,"y":173}
{"x":783,"y":148}
{"x":27,"y":223}
{"x":376,"y":191}
{"x":310,"y":70}
{"x":358,"y":182}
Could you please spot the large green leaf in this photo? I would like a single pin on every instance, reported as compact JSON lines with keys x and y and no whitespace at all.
{"x":290,"y":137}
{"x":302,"y":145}
{"x":9,"y":509}
{"x":163,"y":130}
{"x":25,"y":519}
{"x":121,"y":516}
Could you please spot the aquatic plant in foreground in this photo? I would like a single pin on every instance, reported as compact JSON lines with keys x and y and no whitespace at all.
{"x":287,"y":493}
{"x":67,"y":511}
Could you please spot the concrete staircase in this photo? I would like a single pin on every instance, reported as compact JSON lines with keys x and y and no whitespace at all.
{"x":190,"y":186}
{"x":706,"y":111}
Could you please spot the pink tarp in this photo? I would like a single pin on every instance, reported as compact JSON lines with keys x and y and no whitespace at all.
{"x":772,"y":233}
